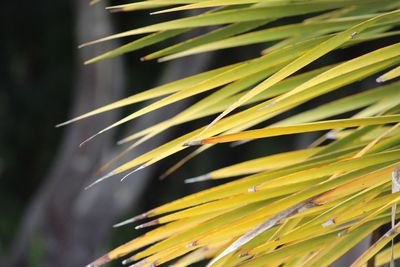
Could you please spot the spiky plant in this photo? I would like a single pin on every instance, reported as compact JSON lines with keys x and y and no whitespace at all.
{"x":300,"y":208}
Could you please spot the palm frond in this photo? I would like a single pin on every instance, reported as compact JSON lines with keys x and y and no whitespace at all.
{"x":305,"y":207}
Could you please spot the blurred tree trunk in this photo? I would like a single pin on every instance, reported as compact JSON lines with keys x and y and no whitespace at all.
{"x":71,"y":223}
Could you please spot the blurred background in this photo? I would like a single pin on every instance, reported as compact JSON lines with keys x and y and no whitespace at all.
{"x":47,"y":218}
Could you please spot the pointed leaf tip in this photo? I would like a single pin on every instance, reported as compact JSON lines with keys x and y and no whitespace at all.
{"x":200,"y":178}
{"x":127,"y":261}
{"x":100,"y":261}
{"x":380,"y":79}
{"x":115,"y":10}
{"x":93,"y":136}
{"x":193,"y":143}
{"x":139,"y":263}
{"x":268,"y":105}
{"x":134,"y":219}
{"x":148,"y":224}
{"x":132,"y":172}
{"x":108,"y":175}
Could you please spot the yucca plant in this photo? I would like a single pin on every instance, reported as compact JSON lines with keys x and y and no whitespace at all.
{"x":300,"y":208}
